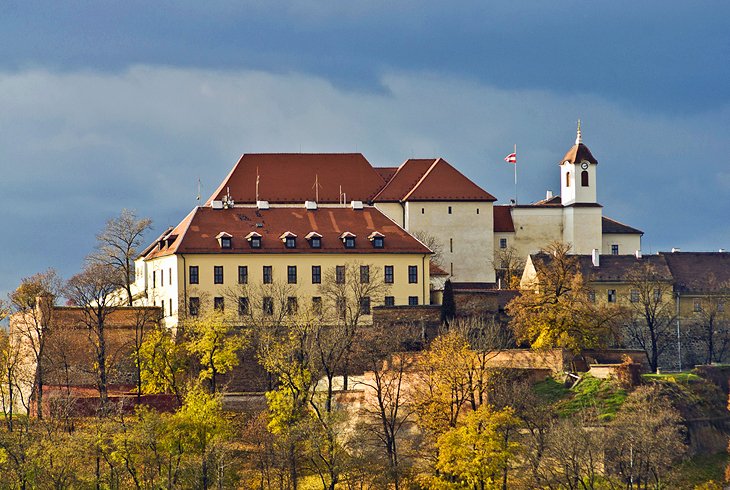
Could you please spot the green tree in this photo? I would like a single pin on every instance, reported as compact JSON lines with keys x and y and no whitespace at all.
{"x":162,"y":364}
{"x":448,"y":305}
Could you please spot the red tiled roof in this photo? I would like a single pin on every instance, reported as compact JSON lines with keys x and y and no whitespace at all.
{"x":404,"y":179}
{"x":503,"y":219}
{"x":442,"y":182}
{"x":577,"y":154}
{"x":435,"y":270}
{"x":386,"y":172}
{"x":290,"y":178}
{"x":196,"y":233}
{"x":612,"y":226}
{"x":697,"y":272}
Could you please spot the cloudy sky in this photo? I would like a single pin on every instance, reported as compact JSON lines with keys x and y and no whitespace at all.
{"x":111,"y":105}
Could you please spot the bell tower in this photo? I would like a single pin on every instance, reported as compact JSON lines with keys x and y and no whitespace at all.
{"x":582,"y":215}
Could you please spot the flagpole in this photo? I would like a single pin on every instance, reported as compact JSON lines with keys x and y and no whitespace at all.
{"x":515,"y":173}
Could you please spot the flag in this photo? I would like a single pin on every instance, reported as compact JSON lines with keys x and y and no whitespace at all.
{"x":511,"y":158}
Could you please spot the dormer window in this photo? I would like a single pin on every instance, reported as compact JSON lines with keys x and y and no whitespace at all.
{"x":348,"y":239}
{"x":224,"y":239}
{"x":315,"y":239}
{"x":254,"y":239}
{"x":377,"y":239}
{"x":289,"y":239}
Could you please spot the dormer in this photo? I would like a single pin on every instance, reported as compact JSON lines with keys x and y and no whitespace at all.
{"x":314,"y":239}
{"x":377,"y":239}
{"x":170,"y":239}
{"x":225,"y":240}
{"x":254,"y":239}
{"x":289,"y":239}
{"x":348,"y":239}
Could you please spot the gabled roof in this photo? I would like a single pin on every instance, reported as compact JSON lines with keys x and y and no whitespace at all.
{"x":430,"y":180}
{"x":612,"y":226}
{"x":577,"y":154}
{"x":290,"y":178}
{"x":386,"y":172}
{"x":699,"y":271}
{"x":196,"y":233}
{"x":503,"y":219}
{"x":612,"y":268}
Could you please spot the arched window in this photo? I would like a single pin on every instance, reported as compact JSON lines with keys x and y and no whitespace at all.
{"x":567,"y":179}
{"x":584,"y":178}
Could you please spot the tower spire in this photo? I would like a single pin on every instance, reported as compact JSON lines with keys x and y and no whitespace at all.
{"x":578,"y":136}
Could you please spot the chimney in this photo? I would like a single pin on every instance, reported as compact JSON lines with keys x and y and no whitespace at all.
{"x":638,"y":254}
{"x":675,"y":250}
{"x":596,"y":258}
{"x":549,"y":194}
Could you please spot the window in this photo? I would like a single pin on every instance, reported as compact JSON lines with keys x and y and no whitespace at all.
{"x":242,"y":274}
{"x":268,"y":305}
{"x":423,"y":210}
{"x":341,"y":307}
{"x":364,"y":274}
{"x":317,"y":305}
{"x":365,"y":305}
{"x":340,"y":274}
{"x":412,"y":300}
{"x":451,"y":245}
{"x":378,"y":242}
{"x":634,"y":295}
{"x":153,"y":279}
{"x":169,"y":274}
{"x":170,"y":302}
{"x":388,"y":274}
{"x":567,"y":179}
{"x":584,"y":178}
{"x":194,"y":305}
{"x":657,"y":294}
{"x":255,"y":242}
{"x":162,"y":277}
{"x":614,"y":249}
{"x":390,"y":301}
{"x":291,"y":242}
{"x":243,"y":305}
{"x":291,"y":274}
{"x":349,"y":242}
{"x":267,"y":275}
{"x":477,"y":210}
{"x":193,"y":274}
{"x":315,"y":242}
{"x":502,"y":243}
{"x":225,"y":242}
{"x":697,"y":305}
{"x":218,"y":274}
{"x":291,"y":305}
{"x":611,"y":295}
{"x":721,"y":306}
{"x":449,"y":209}
{"x":592,"y":296}
{"x":316,"y":274}
{"x":412,"y":274}
{"x":218,"y":303}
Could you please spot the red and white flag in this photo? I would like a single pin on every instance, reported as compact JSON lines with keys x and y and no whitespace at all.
{"x":511,"y":158}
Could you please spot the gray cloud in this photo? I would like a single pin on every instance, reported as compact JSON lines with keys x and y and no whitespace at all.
{"x":77,"y":147}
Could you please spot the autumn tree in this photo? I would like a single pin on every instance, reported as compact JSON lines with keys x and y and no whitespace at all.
{"x":509,"y":265}
{"x":555,"y":309}
{"x":94,"y":291}
{"x":118,"y":246}
{"x":33,"y":303}
{"x":162,"y":364}
{"x":649,"y":311}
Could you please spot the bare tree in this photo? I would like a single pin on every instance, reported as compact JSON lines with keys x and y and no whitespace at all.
{"x":711,"y":318}
{"x":117,"y":247}
{"x":649,"y":311}
{"x":33,"y":303}
{"x":433,"y":243}
{"x":93,"y":291}
{"x":509,"y":266}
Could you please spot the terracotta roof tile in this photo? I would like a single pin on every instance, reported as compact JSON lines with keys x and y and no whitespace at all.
{"x":577,"y":154}
{"x":290,"y":178}
{"x":435,"y":270}
{"x":404,"y":179}
{"x":386,"y":173}
{"x":503,"y":219}
{"x":612,"y":268}
{"x":197,"y":232}
{"x":442,"y":182}
{"x":699,"y":271}
{"x":612,"y":226}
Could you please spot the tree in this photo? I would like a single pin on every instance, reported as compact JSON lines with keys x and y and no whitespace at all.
{"x":117,"y":247}
{"x":649,"y":312}
{"x":712,"y":320}
{"x":94,"y":291}
{"x":556,"y":310}
{"x":162,"y":364}
{"x":448,"y":305}
{"x":475,"y":454}
{"x":509,"y":266}
{"x":215,"y":341}
{"x":433,"y":244}
{"x":33,"y":303}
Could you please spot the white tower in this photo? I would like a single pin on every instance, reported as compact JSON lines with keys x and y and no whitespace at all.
{"x":582,"y":215}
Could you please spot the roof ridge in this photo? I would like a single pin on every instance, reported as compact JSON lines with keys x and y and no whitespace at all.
{"x":184,"y":232}
{"x":423,"y":177}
